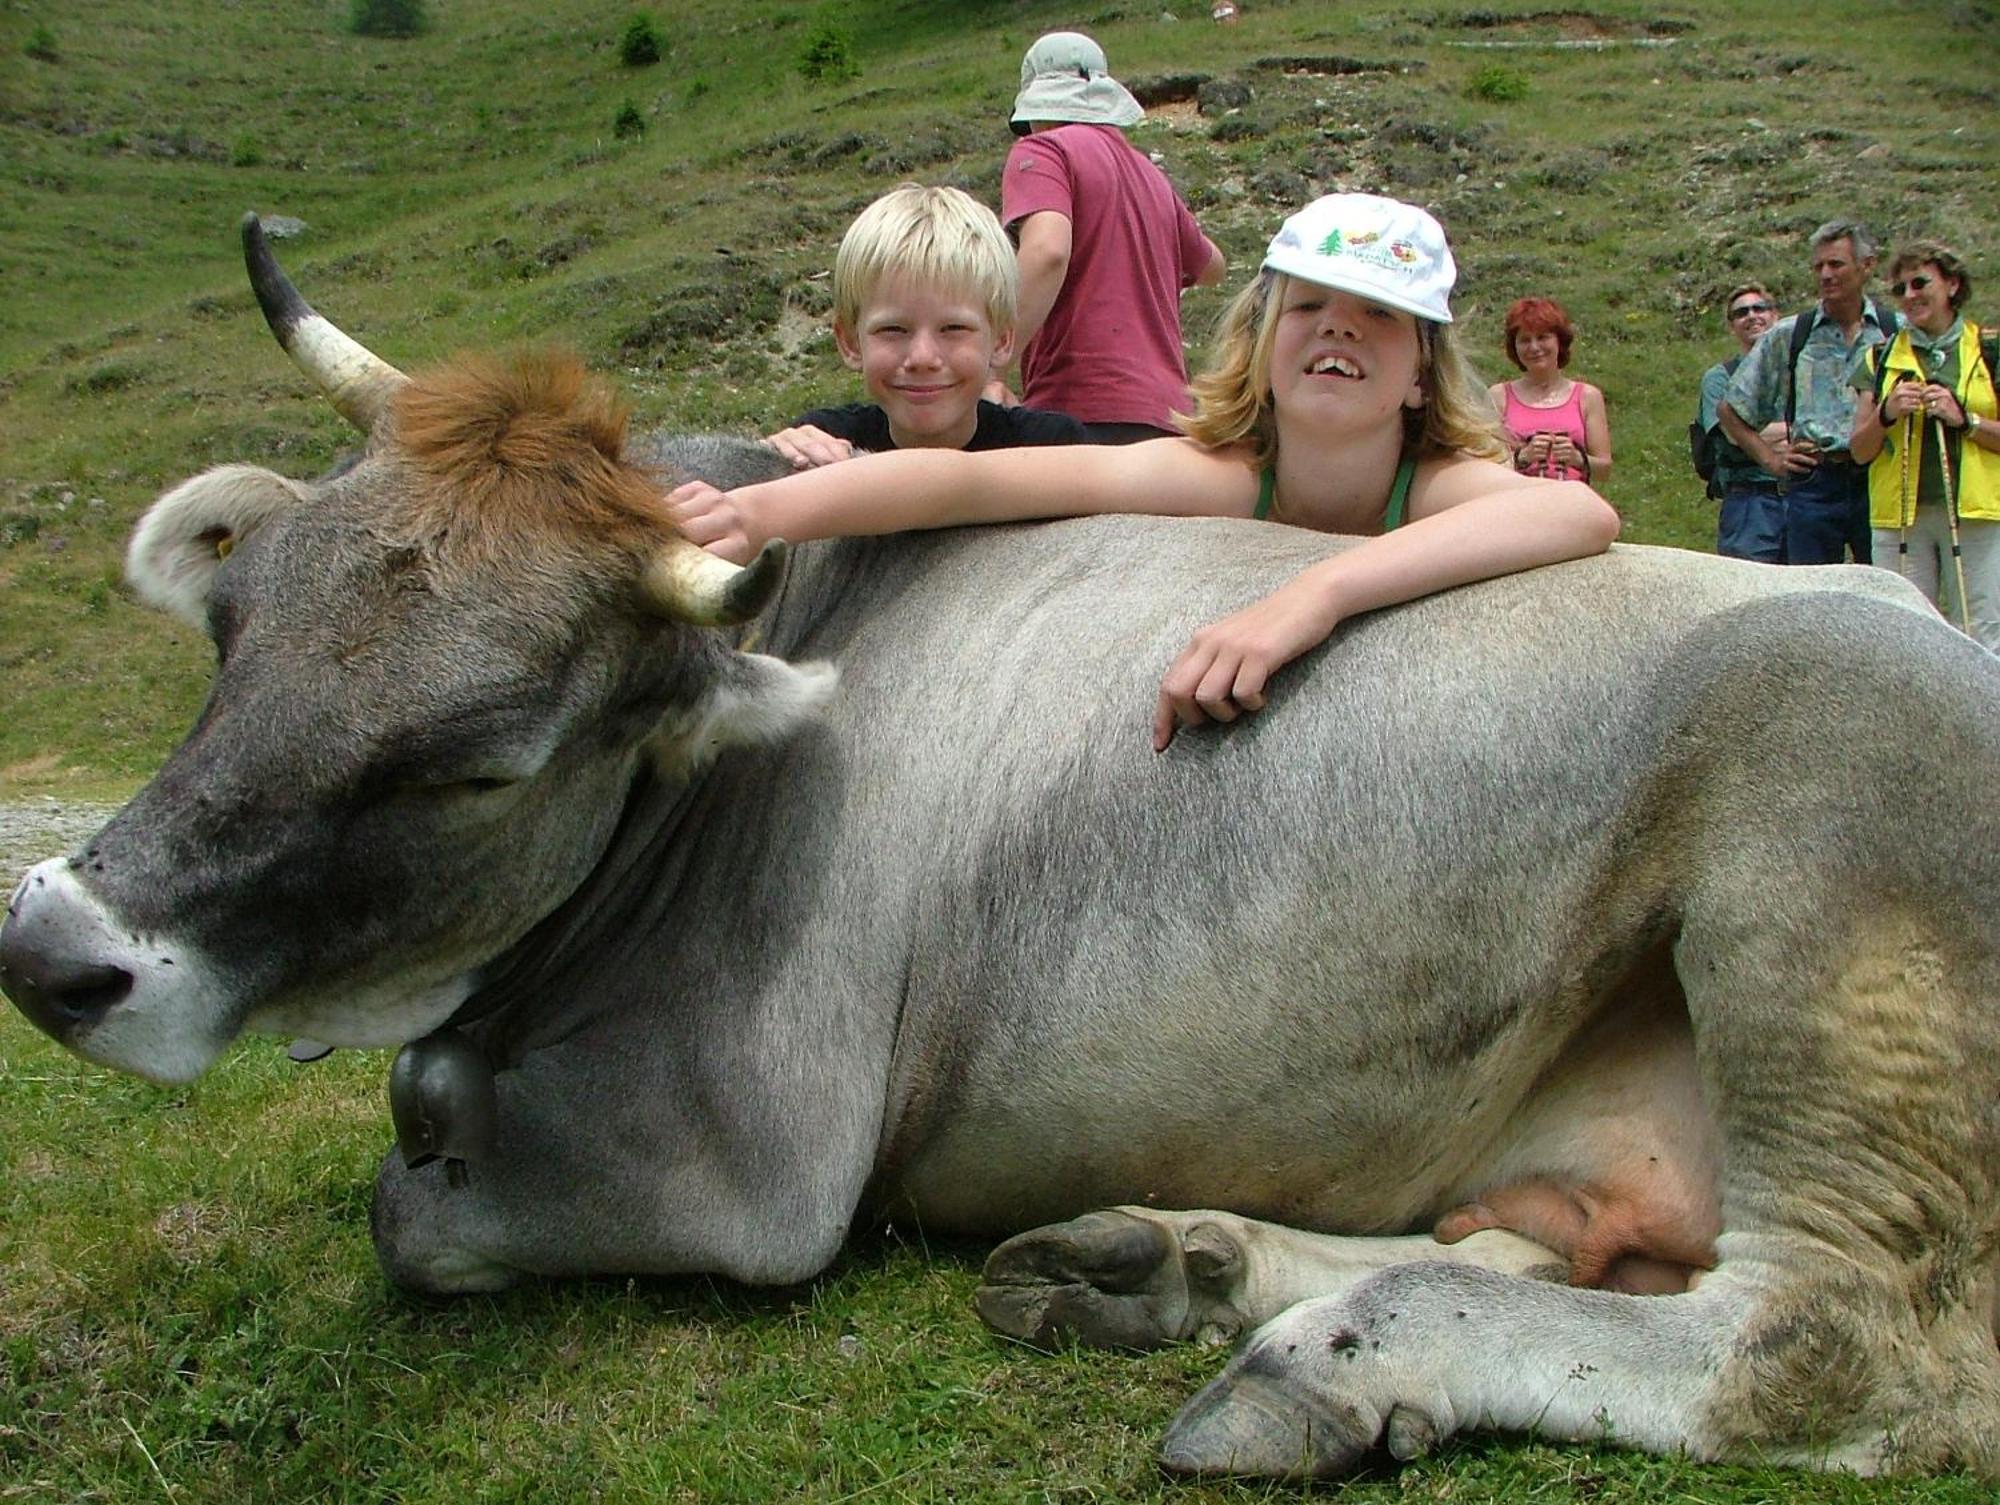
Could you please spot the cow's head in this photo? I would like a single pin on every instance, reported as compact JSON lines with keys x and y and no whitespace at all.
{"x":436,"y":674}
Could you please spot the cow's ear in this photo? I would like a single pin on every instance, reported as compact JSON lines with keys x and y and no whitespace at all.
{"x":755,"y":699}
{"x":184,"y":536}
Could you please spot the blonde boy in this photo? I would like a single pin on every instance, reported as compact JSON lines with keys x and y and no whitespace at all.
{"x":924,"y":290}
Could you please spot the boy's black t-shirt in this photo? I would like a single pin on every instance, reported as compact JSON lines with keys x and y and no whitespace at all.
{"x":866,"y":426}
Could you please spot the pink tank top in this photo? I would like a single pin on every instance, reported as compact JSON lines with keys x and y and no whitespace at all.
{"x":1522,"y":422}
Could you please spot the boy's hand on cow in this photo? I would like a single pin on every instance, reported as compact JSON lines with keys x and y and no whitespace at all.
{"x":1223,"y":670}
{"x":807,"y":447}
{"x":712,"y":519}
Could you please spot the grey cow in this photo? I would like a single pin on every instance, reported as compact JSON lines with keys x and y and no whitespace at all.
{"x":1634,"y":923}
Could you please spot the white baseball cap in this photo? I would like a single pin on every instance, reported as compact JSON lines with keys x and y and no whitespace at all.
{"x":1376,"y":248}
{"x":1064,"y":78}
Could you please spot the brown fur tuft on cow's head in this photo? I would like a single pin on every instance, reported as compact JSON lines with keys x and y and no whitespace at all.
{"x":520,"y":445}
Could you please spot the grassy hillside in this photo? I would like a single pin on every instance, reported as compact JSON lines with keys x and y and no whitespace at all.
{"x":189,"y":1308}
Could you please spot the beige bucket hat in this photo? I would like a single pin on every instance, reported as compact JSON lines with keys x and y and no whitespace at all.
{"x":1065,"y":78}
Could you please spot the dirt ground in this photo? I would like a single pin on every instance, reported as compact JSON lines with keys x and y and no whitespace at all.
{"x":33,"y":829}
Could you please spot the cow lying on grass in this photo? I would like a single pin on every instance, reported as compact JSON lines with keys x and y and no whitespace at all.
{"x":1633,"y":924}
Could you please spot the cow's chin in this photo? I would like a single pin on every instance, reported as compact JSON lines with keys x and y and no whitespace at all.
{"x":366,"y":1018}
{"x":135,"y":1044}
{"x":176,"y":1039}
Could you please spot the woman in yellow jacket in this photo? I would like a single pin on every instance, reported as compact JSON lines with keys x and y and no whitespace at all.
{"x":1926,"y":420}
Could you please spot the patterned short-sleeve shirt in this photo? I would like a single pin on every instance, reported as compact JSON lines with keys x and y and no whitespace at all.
{"x":1825,"y":410}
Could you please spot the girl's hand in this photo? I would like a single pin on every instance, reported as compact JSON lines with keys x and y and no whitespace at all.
{"x":712,"y":519}
{"x":1225,"y":666}
{"x":1563,"y":451}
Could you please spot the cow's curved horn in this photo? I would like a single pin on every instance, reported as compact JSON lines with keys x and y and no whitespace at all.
{"x":690,"y":584}
{"x":357,"y":382}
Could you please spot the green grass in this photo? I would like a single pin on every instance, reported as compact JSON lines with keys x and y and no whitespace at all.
{"x":189,"y":1308}
{"x":190,"y":1311}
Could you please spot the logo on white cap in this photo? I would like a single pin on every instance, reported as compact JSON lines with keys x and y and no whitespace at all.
{"x":1376,"y":248}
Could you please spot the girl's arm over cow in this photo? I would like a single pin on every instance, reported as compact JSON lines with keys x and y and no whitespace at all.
{"x":1469,"y":520}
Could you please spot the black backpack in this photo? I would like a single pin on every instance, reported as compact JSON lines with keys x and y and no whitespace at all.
{"x":1705,"y":444}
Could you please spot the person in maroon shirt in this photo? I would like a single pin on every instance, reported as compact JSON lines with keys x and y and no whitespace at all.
{"x":1106,"y":248}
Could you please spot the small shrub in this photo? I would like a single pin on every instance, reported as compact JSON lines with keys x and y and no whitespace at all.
{"x":697,"y":86}
{"x":641,"y":46}
{"x":629,"y":122}
{"x":828,"y":55}
{"x":246,"y":152}
{"x":386,"y":18}
{"x":41,"y":45}
{"x":1498,"y":85}
{"x":1237,"y":128}
{"x":111,"y":376}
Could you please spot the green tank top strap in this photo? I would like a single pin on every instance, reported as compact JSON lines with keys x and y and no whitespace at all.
{"x":1399,"y":493}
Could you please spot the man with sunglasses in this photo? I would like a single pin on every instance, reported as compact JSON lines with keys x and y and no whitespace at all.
{"x":1751,"y":521}
{"x":1804,"y":382}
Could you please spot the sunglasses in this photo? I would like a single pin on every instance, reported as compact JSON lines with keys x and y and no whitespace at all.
{"x":1915,"y":285}
{"x":1744,"y":310}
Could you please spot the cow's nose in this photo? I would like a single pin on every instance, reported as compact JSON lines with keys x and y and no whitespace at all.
{"x":60,"y":991}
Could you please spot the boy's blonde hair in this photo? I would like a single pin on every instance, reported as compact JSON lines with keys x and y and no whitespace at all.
{"x":1232,"y":396}
{"x":941,"y":237}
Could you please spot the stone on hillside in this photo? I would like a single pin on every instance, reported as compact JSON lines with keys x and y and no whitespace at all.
{"x":283,"y":226}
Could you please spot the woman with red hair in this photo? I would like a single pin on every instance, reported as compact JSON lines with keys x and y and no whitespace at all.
{"x":1554,"y":426}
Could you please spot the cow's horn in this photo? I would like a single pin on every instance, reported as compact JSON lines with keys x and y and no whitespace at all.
{"x":692,"y":585}
{"x":357,"y":382}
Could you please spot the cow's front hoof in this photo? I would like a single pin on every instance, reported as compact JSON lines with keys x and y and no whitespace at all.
{"x":409,"y":1220}
{"x":1114,"y":1279}
{"x":1255,"y":1425}
{"x":1094,"y":1280}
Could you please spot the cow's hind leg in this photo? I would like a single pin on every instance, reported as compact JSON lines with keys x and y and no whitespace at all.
{"x":1137,"y":1278}
{"x":1842,"y":990}
{"x":1417,"y":1353}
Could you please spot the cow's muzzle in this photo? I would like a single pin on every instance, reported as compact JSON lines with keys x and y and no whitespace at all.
{"x":49,"y":974}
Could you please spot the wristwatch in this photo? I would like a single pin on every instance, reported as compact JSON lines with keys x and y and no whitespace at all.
{"x":1971,"y":424}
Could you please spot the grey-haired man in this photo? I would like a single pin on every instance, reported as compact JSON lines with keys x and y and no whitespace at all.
{"x":1804,"y":384}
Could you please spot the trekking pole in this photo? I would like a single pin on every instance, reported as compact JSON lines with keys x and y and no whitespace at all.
{"x":1951,"y":518}
{"x":1905,"y":508}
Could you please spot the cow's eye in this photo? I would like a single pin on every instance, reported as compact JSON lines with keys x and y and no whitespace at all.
{"x":453,"y":789}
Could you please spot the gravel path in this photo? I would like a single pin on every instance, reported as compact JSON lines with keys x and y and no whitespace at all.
{"x":46,"y":827}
